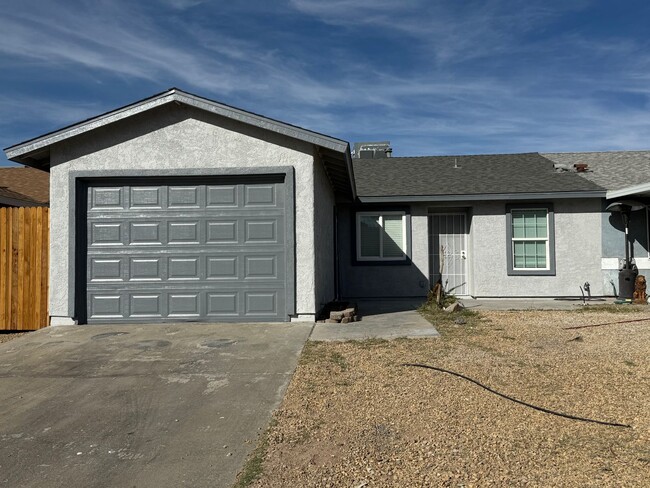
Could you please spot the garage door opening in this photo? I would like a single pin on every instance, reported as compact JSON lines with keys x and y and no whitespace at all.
{"x":186,"y":249}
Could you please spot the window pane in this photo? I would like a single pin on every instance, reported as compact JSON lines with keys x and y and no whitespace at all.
{"x":517,"y":223}
{"x":393,"y":236}
{"x":541,"y":254}
{"x":519,"y":255}
{"x":369,"y":230}
{"x":529,"y":254}
{"x":531,"y":224}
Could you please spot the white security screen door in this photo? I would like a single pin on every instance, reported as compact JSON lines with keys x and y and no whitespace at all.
{"x":448,"y":251}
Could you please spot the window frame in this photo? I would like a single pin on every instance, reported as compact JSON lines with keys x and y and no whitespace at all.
{"x":550,"y":240}
{"x":406,"y":230}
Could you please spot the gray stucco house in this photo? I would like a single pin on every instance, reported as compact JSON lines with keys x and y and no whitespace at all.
{"x":181,"y":208}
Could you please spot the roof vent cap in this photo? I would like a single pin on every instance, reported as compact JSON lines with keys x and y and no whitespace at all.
{"x":372,"y":150}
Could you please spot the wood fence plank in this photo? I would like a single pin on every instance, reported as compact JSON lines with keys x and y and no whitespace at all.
{"x":24,"y":265}
{"x":4,"y":316}
{"x":38,"y":271}
{"x":45,"y":263}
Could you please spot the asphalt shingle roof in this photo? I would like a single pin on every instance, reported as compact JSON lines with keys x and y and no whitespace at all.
{"x":474,"y":175}
{"x":612,"y":170}
{"x":30,"y":184}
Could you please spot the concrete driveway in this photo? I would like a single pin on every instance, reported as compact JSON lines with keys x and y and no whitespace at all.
{"x":140,"y":406}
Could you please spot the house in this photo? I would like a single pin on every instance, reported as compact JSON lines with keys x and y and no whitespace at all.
{"x":182,"y":208}
{"x":24,"y":187}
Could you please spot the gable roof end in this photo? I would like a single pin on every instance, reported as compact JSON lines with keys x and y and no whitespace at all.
{"x":35,"y":152}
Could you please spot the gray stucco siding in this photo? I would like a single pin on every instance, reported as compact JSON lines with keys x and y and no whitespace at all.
{"x":383,"y":280}
{"x":577,"y":252}
{"x":182,"y":139}
{"x":324,"y":259}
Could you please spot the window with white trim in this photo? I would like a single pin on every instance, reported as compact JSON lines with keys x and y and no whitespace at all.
{"x":381,"y":236}
{"x":530,"y":239}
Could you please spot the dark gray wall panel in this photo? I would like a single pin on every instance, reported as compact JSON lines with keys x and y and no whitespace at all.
{"x":174,"y":251}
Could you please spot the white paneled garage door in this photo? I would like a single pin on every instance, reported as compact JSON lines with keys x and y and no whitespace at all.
{"x":186,"y":249}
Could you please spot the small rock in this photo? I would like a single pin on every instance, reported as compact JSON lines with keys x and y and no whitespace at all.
{"x":336,"y":316}
{"x":460,"y":321}
{"x":229,"y":454}
{"x":454,"y":307}
{"x":345,"y":320}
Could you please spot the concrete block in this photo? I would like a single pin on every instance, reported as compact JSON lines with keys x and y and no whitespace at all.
{"x":349,"y":312}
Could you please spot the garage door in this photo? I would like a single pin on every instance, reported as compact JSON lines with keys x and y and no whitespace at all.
{"x":175,"y":250}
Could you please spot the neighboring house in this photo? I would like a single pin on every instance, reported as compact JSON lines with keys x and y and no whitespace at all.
{"x":24,"y":187}
{"x":181,"y":208}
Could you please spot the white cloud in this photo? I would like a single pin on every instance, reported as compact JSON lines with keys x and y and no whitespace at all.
{"x":460,"y":90}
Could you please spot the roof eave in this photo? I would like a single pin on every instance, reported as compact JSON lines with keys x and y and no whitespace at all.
{"x":629,"y":191}
{"x":481,"y":196}
{"x":21,"y":152}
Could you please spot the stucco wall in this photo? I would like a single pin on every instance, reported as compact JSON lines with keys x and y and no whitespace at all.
{"x":323,"y":236}
{"x":577,"y":251}
{"x":179,"y":137}
{"x":384,"y":281}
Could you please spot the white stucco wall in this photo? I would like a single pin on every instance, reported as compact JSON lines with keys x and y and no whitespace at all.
{"x":179,"y":137}
{"x":577,"y":252}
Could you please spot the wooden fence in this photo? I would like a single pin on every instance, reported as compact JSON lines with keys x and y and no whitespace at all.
{"x":24,"y":261}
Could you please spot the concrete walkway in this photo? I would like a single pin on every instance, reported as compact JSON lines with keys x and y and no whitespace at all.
{"x":530,"y":303}
{"x":140,"y":405}
{"x":380,"y":319}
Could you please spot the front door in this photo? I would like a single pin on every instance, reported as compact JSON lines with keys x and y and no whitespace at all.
{"x":448,"y":251}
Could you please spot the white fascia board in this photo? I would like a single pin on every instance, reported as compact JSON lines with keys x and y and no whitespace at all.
{"x":179,"y":96}
{"x":628,"y":191}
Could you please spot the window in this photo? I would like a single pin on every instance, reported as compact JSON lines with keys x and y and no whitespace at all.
{"x":530,"y":232}
{"x":381,"y":236}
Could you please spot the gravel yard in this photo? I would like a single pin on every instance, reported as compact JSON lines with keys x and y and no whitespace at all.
{"x":353,"y":416}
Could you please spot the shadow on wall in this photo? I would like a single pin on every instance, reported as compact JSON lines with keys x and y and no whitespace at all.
{"x":376,"y":279}
{"x":367,"y":307}
{"x":638,"y":235}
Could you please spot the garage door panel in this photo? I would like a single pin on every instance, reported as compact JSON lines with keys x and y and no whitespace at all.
{"x":106,"y":306}
{"x":222,"y":268}
{"x":101,"y":269}
{"x":183,"y":231}
{"x":146,"y":305}
{"x":146,"y":197}
{"x":107,"y":198}
{"x":145,"y":233}
{"x":261,"y":303}
{"x":185,"y":197}
{"x":146,"y":268}
{"x":186,"y":252}
{"x":224,"y":304}
{"x":222,"y":232}
{"x":107,"y":233}
{"x":259,"y":196}
{"x":222,"y":196}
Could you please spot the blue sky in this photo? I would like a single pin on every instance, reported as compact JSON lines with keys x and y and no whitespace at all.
{"x":433,"y":77}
